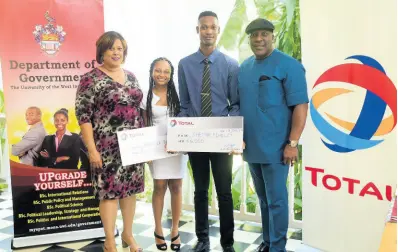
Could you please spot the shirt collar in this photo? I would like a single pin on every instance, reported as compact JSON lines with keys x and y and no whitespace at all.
{"x":67,"y":132}
{"x":212,"y":57}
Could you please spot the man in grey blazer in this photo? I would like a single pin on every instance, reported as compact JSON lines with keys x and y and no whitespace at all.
{"x":28,"y":148}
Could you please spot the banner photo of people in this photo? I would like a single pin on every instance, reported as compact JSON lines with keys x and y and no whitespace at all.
{"x":43,"y":58}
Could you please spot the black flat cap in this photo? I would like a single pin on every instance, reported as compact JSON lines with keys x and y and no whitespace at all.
{"x":259,"y":24}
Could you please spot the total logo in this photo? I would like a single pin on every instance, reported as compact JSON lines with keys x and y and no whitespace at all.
{"x":357,"y":134}
{"x":175,"y":122}
{"x":124,"y":137}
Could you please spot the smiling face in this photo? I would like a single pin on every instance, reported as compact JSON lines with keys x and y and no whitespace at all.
{"x":261,"y":43}
{"x":60,"y":122}
{"x":32,"y":116}
{"x":161,"y":73}
{"x":208,"y":30}
{"x":113,"y":57}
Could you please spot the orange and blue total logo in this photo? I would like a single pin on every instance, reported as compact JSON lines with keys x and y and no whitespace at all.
{"x":368,"y":129}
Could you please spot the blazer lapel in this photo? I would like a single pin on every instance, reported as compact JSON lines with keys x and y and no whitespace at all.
{"x":52,"y":144}
{"x":65,"y":142}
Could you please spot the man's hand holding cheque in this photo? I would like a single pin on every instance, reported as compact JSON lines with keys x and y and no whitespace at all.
{"x":234,"y":152}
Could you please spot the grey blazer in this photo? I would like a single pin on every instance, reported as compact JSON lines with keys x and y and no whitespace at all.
{"x":28,"y":148}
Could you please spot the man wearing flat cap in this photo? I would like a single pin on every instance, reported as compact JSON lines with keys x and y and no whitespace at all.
{"x":274,"y":104}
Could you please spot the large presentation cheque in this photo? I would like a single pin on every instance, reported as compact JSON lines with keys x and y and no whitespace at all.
{"x":205,"y":134}
{"x":142,"y":145}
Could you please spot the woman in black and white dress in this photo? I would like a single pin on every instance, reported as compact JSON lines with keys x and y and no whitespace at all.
{"x":160,"y":103}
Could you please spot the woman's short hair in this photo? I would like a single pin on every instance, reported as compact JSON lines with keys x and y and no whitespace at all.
{"x":106,"y":42}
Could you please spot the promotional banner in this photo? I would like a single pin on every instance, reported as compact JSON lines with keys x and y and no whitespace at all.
{"x":349,"y":50}
{"x":44,"y":50}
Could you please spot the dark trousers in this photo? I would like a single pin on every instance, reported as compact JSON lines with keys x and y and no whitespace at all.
{"x":221,"y":166}
{"x":270,"y":183}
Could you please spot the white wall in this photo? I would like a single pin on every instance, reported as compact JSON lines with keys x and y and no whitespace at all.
{"x":158,"y":28}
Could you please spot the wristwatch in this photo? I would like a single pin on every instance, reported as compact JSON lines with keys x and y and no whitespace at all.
{"x":292,"y":143}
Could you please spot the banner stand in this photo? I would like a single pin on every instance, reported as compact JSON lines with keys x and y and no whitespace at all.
{"x":53,"y":198}
{"x":349,"y":170}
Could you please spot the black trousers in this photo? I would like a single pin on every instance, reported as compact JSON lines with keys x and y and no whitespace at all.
{"x":221,"y":166}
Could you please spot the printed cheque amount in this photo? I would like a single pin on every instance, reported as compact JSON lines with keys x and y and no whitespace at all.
{"x":211,"y":140}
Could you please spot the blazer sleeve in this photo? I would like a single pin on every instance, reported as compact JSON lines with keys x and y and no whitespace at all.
{"x":73,"y":160}
{"x":28,"y":142}
{"x":50,"y":161}
{"x":72,"y":151}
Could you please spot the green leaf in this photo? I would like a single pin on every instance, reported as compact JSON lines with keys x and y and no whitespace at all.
{"x":210,"y":190}
{"x":251,"y":199}
{"x":298,"y":202}
{"x":234,"y":29}
{"x":260,"y":3}
{"x":290,"y":7}
{"x":269,"y":10}
{"x":190,"y":170}
{"x":237,"y":179}
{"x":3,"y":186}
{"x":244,"y":49}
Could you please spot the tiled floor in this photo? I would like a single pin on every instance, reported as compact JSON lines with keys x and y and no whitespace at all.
{"x":247,"y":235}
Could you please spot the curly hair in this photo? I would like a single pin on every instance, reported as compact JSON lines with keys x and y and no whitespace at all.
{"x":173,"y":102}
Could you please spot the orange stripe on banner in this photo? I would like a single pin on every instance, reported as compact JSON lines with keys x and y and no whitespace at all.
{"x":321,"y":96}
{"x":386,"y":126}
{"x":344,"y":124}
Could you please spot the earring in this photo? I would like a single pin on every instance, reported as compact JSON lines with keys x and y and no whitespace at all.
{"x":102,"y":59}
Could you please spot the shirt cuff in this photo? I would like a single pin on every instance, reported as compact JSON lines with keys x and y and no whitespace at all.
{"x":235,"y":113}
{"x":296,"y":98}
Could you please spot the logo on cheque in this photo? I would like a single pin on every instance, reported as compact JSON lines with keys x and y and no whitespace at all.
{"x":374,"y":120}
{"x":123,"y":136}
{"x":50,"y":36}
{"x":173,"y":123}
